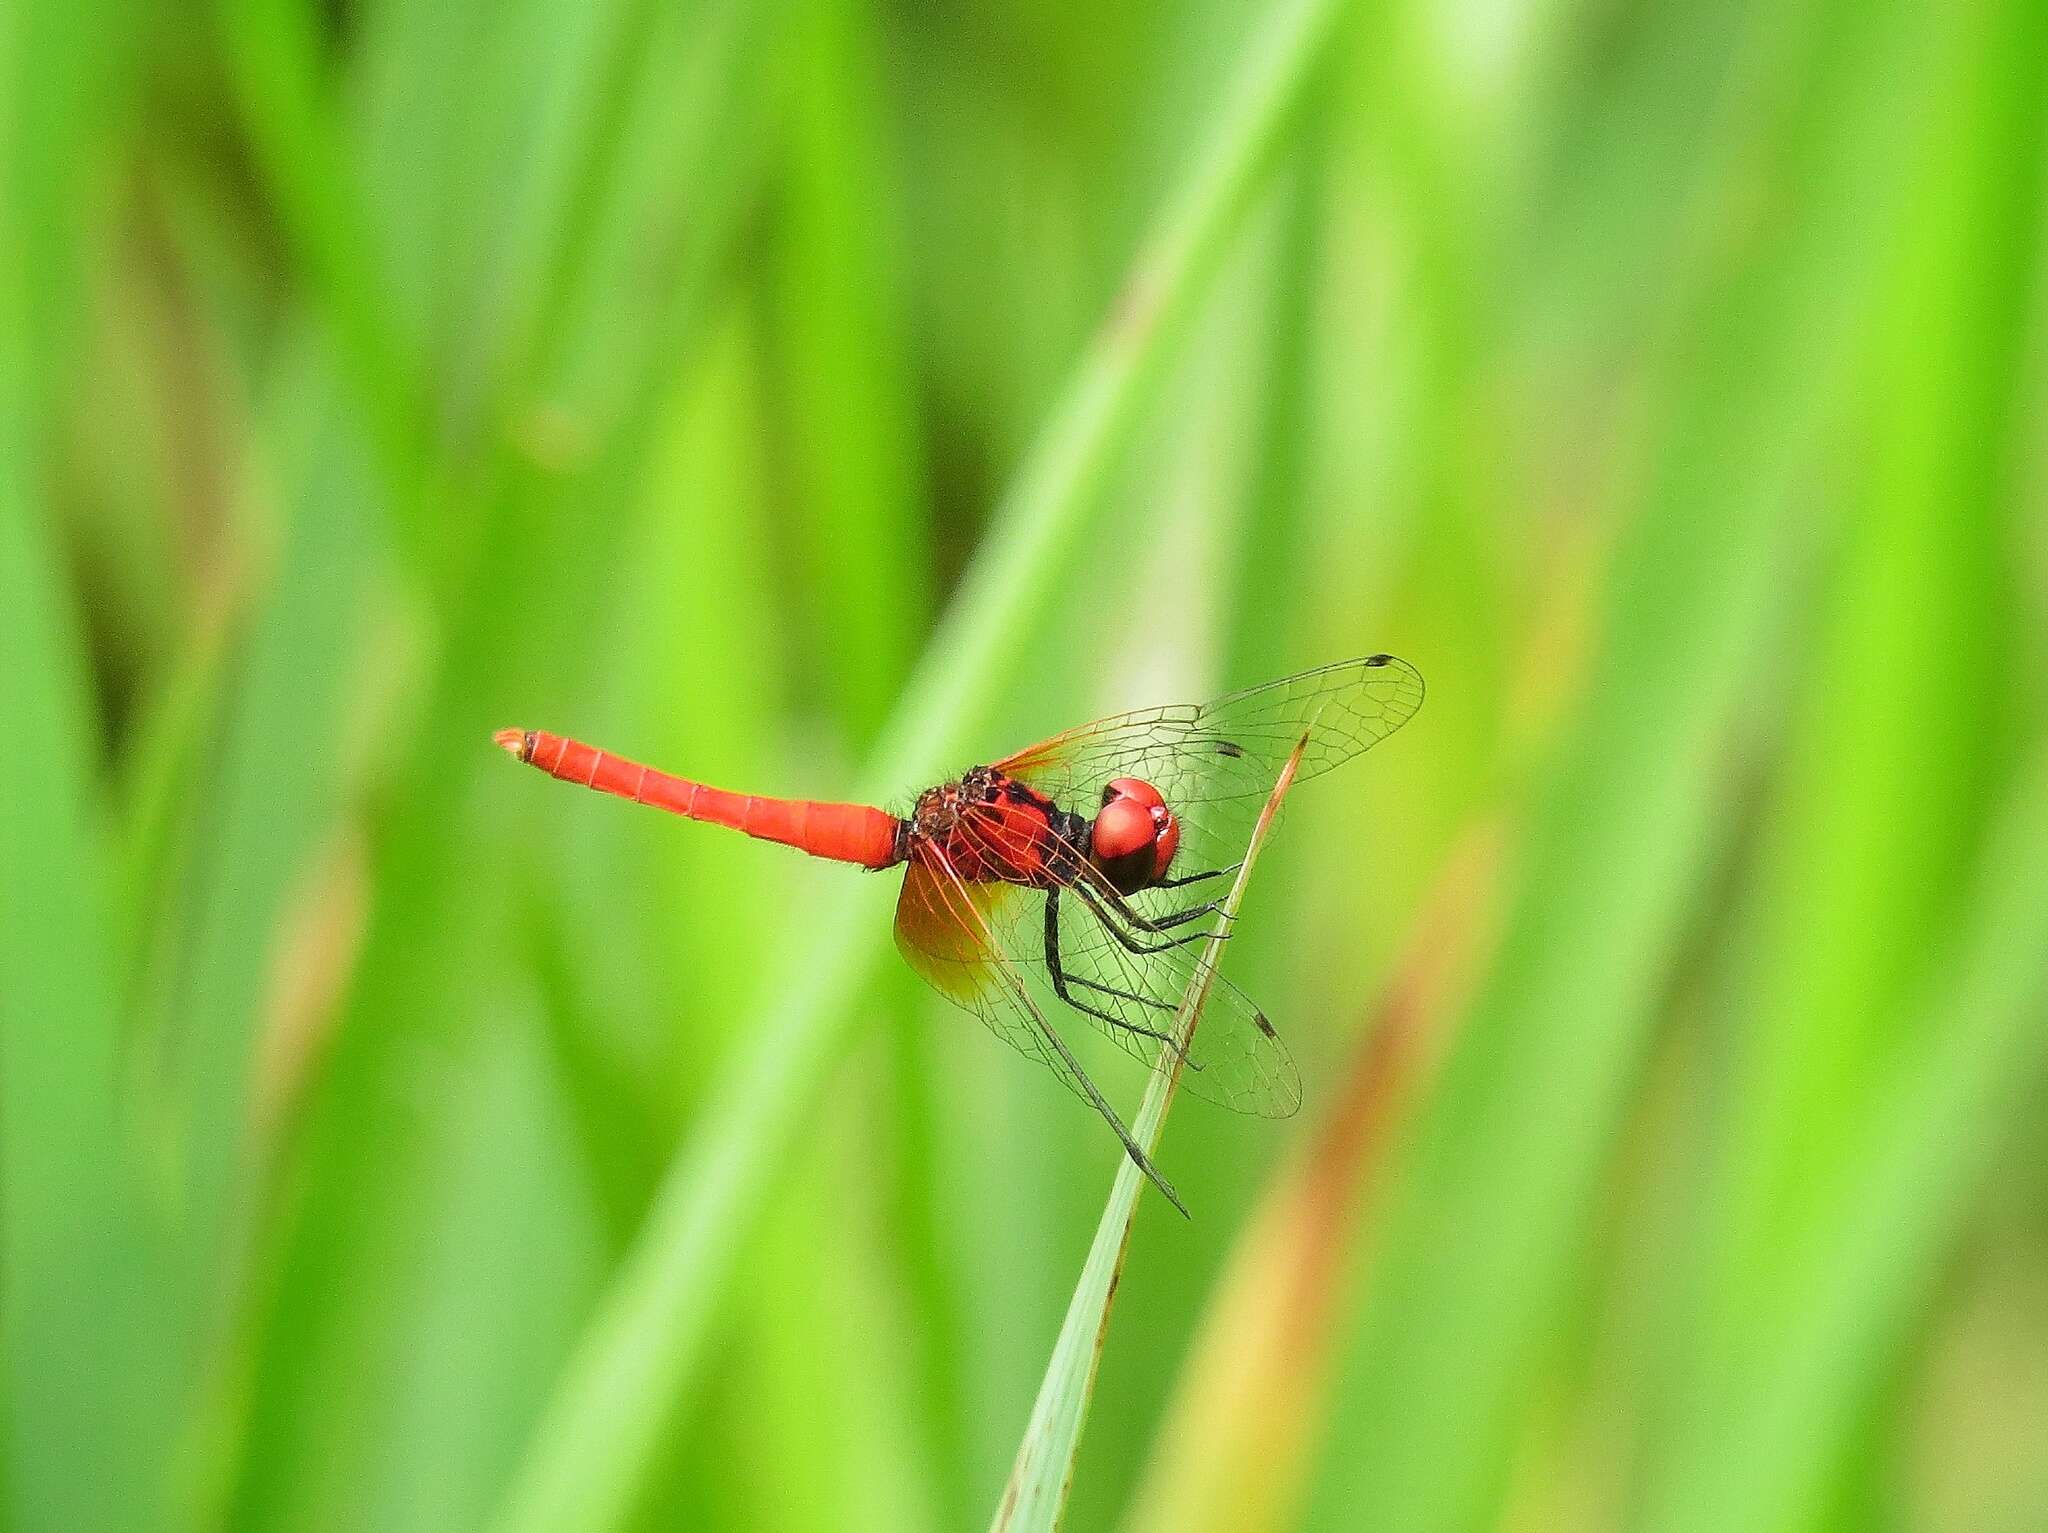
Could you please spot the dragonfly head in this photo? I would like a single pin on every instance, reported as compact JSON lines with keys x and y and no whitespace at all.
{"x":1134,"y":835}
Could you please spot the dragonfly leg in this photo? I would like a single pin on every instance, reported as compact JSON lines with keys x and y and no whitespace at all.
{"x":1178,"y":918}
{"x":1082,"y":877}
{"x":1094,"y":899}
{"x":1137,"y":920}
{"x":1061,"y":979}
{"x":1196,"y":878}
{"x":1122,"y":995}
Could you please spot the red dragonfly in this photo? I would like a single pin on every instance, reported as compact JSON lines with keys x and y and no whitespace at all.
{"x":1063,"y":867}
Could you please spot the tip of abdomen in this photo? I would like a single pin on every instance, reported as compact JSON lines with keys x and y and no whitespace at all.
{"x":515,"y":742}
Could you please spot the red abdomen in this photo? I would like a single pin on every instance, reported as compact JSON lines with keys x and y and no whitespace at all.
{"x":839,"y":832}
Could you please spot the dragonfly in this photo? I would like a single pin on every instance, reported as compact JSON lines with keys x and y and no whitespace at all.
{"x":1076,"y":877}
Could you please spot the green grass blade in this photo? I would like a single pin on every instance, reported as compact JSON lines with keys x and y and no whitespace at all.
{"x":1037,"y":1493}
{"x":297,"y":131}
{"x":516,"y":566}
{"x":1229,"y":1450}
{"x":82,"y":1277}
{"x":1857,"y":869}
{"x":284,"y":711}
{"x":850,"y":397}
{"x":1437,"y":1380}
{"x":87,"y":1417}
{"x":623,"y":1382}
{"x":1760,"y":1454}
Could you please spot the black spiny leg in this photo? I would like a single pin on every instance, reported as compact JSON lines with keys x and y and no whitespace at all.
{"x":1137,"y":920}
{"x":1196,"y":878}
{"x":1061,"y":979}
{"x":1103,"y":904}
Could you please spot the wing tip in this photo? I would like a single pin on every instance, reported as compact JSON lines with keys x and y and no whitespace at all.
{"x":1406,"y":671}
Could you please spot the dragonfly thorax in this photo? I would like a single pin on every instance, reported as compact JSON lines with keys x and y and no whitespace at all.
{"x":992,"y":828}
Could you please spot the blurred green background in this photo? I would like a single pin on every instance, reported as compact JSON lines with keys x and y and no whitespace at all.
{"x":815,"y":397}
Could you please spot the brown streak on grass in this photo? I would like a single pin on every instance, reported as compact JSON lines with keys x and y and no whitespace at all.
{"x":1233,"y":1443}
{"x":315,"y":956}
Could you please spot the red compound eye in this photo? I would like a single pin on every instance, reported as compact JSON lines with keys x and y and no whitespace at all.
{"x":1123,"y":829}
{"x":1169,"y":843}
{"x":1135,"y":835}
{"x":1136,"y":789}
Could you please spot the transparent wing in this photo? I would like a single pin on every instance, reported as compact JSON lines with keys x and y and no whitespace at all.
{"x":1234,"y":1059}
{"x":1216,"y":762}
{"x":946,"y":930}
{"x":1129,"y":985}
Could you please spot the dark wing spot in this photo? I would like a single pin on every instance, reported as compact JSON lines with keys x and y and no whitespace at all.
{"x":1264,"y":1026}
{"x":1377,"y":659}
{"x":1229,"y":748}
